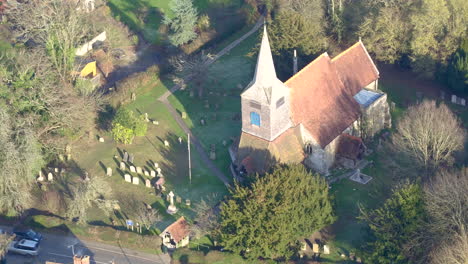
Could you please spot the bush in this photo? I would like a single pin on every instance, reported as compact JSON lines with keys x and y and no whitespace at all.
{"x":126,"y":126}
{"x":122,"y":134}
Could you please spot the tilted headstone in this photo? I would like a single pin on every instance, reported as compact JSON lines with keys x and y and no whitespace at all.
{"x":326,"y":249}
{"x":132,"y":169}
{"x":139,"y":170}
{"x":136,"y":180}
{"x":148,"y":183}
{"x":166,"y":143}
{"x":125,"y":157}
{"x":128,"y":178}
{"x":50,"y":176}
{"x":109,"y":171}
{"x":122,"y":165}
{"x":153,"y":173}
{"x":454,"y":99}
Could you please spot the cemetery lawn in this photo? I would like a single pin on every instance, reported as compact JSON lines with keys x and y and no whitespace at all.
{"x":222,"y":97}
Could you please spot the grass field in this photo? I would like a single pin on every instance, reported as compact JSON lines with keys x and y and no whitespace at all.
{"x":221,"y":96}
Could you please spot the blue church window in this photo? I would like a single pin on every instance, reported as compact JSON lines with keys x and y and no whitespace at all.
{"x":254,"y":118}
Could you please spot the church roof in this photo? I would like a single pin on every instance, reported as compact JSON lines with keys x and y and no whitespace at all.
{"x":321,"y":102}
{"x":265,"y":86}
{"x":178,"y":230}
{"x":355,"y":67}
{"x":257,"y":154}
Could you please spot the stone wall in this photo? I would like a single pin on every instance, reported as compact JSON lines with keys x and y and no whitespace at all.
{"x":320,"y":159}
{"x":376,"y":117}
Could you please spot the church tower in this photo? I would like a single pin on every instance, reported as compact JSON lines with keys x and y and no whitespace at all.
{"x":265,"y":101}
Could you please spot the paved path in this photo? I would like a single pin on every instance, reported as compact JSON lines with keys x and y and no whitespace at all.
{"x":57,"y":248}
{"x":198,"y":146}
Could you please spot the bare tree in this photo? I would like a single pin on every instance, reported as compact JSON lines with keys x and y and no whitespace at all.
{"x":147,"y":217}
{"x":429,"y":134}
{"x":206,"y":219}
{"x":55,"y":25}
{"x":5,"y":240}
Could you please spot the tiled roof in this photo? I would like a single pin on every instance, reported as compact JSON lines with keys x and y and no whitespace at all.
{"x":178,"y":230}
{"x":258,"y":155}
{"x":320,"y":101}
{"x":356,"y":68}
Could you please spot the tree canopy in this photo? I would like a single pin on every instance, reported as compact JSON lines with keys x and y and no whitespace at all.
{"x":267,"y":218}
{"x":125,"y":126}
{"x":182,"y":24}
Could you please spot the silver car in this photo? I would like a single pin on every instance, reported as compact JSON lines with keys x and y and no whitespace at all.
{"x":24,"y":247}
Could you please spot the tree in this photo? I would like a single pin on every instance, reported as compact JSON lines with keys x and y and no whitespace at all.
{"x":446,"y":231}
{"x":20,"y":160}
{"x":429,"y":134}
{"x":5,"y":240}
{"x":147,"y":217}
{"x":57,"y":26}
{"x":267,"y":218}
{"x":394,"y":224}
{"x":182,"y":24}
{"x":457,"y":70}
{"x":126,"y":125}
{"x":207,"y":219}
{"x":88,"y":193}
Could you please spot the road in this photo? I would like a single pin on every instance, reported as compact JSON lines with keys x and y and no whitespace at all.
{"x":57,"y":248}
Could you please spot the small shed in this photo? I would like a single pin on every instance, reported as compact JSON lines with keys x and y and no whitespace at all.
{"x":176,"y":235}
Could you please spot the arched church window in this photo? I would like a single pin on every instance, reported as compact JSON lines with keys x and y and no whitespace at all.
{"x":254,"y":118}
{"x":308,"y":148}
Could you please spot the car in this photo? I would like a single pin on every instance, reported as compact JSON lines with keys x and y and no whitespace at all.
{"x":24,"y":247}
{"x":28,"y":234}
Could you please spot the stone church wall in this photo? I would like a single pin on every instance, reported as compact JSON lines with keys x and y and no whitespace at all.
{"x":376,"y":117}
{"x":320,"y":159}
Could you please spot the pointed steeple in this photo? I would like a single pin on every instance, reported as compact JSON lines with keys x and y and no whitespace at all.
{"x":265,"y":73}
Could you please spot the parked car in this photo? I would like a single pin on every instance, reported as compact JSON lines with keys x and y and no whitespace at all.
{"x":28,"y":234}
{"x":24,"y":247}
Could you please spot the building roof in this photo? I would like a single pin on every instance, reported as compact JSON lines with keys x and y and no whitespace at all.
{"x":366,"y":97}
{"x":257,"y":154}
{"x":320,"y":101}
{"x":178,"y":230}
{"x":356,"y":68}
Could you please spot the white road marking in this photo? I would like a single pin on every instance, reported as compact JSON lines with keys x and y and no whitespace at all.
{"x":66,"y":256}
{"x":117,"y":252}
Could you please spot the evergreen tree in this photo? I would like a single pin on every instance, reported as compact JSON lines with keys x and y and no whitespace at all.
{"x":267,"y":218}
{"x":457,"y":70}
{"x":126,"y":125}
{"x":182,"y":25}
{"x":394,"y":224}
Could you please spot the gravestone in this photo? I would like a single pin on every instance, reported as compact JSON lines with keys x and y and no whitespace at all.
{"x":132,"y":169}
{"x":184,"y":115}
{"x":128,"y":178}
{"x":358,"y":260}
{"x":101,"y":139}
{"x":69,"y":157}
{"x":41,"y":177}
{"x":56,"y":170}
{"x":131,"y":158}
{"x":156,"y":165}
{"x":171,"y":209}
{"x":187,"y":202}
{"x":212,"y":155}
{"x":148,"y":183}
{"x":180,"y":140}
{"x":109,"y":171}
{"x":326,"y":249}
{"x":139,"y":170}
{"x":178,"y":199}
{"x":202,"y":122}
{"x":155,"y":122}
{"x":166,"y":143}
{"x":86,"y":176}
{"x":122,"y":165}
{"x":463,"y":102}
{"x":50,"y":177}
{"x":61,"y":157}
{"x":146,"y":117}
{"x":133,"y":97}
{"x":125,"y":157}
{"x":146,"y":173}
{"x":136,"y":180}
{"x":303,"y":246}
{"x":442,"y":95}
{"x":158,"y":170}
{"x":454,"y":99}
{"x":153,"y":173}
{"x":224,"y":142}
{"x":315,"y":248}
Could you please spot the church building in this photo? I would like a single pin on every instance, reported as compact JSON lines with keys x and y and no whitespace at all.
{"x":317,"y":116}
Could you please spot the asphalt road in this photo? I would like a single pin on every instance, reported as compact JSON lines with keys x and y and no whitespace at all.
{"x":58,"y":248}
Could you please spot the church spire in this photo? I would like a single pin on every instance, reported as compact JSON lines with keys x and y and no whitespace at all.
{"x":265,"y":72}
